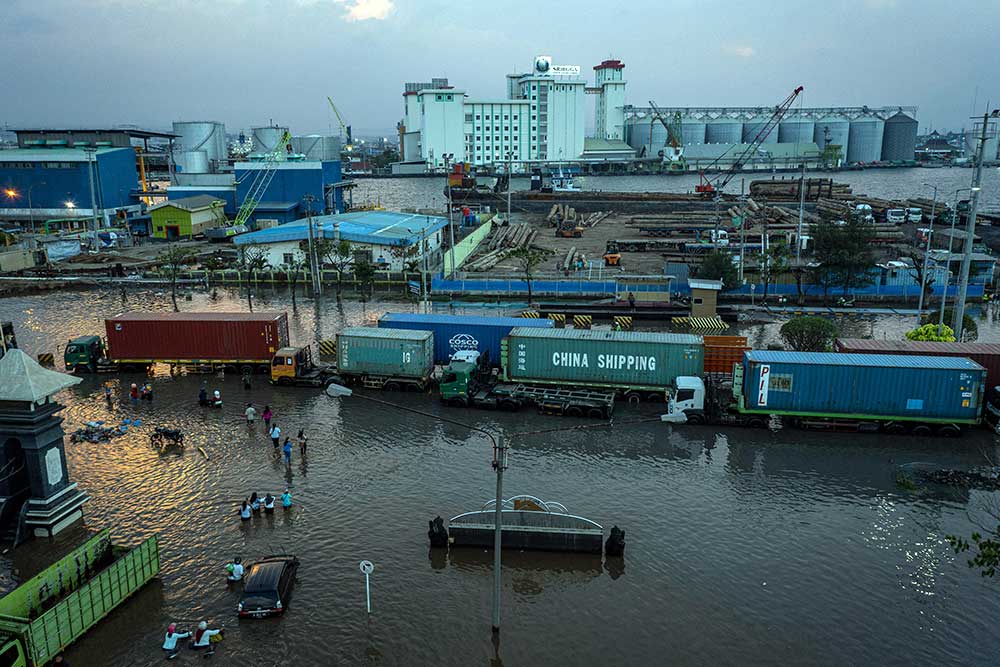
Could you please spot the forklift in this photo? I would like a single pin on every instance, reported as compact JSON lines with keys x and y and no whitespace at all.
{"x":294,"y":366}
{"x":612,"y":256}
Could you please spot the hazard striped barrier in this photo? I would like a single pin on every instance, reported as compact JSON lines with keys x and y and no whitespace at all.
{"x":46,"y":359}
{"x":701,"y":323}
{"x":328,"y":348}
{"x":558,"y":320}
{"x":582,"y":321}
{"x":530,"y":314}
{"x":623,"y":322}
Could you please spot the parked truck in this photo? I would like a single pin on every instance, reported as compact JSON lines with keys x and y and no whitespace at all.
{"x":390,"y":359}
{"x":461,"y":333}
{"x":839,"y":392}
{"x":574,"y":372}
{"x":53,"y":609}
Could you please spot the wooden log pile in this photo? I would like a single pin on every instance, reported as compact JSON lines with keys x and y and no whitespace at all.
{"x":500,"y":243}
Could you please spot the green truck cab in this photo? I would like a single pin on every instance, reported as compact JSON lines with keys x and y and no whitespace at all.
{"x":82,"y":355}
{"x":50,"y":611}
{"x":454,"y":385}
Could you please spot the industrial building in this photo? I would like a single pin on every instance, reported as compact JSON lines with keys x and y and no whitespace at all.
{"x":186,"y":218}
{"x":375,"y":237}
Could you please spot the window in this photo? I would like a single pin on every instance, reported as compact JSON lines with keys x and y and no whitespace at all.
{"x":449,"y":98}
{"x":532,"y":116}
{"x":437,"y":98}
{"x":468,"y":118}
{"x":496,"y":117}
{"x":10,"y":656}
{"x":505,"y":117}
{"x":685,"y":395}
{"x":698,"y":300}
{"x":362,"y":256}
{"x":478,"y":128}
{"x":477,"y":117}
{"x":506,"y":128}
{"x":287,"y":258}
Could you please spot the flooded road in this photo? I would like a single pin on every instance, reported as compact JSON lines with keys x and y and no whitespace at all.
{"x":743,"y":546}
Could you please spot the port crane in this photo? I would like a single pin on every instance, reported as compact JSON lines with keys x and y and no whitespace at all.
{"x":262,"y":179}
{"x":673,"y":149}
{"x":707,"y":187}
{"x":344,"y":127}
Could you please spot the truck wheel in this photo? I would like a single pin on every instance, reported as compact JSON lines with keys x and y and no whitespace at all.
{"x":285,"y":381}
{"x":655,"y":397}
{"x":391,"y":386}
{"x":508,"y":406}
{"x":949,"y":431}
{"x":921,"y":430}
{"x":695,"y":419}
{"x":264,"y":369}
{"x":756,"y":422}
{"x":596,"y":413}
{"x":895,"y":429}
{"x":574,"y":411}
{"x":633,"y":398}
{"x":458,"y":402}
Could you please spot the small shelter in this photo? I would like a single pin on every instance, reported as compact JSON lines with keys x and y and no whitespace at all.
{"x":704,"y":297}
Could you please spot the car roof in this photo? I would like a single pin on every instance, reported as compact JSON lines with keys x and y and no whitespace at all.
{"x":264,"y":574}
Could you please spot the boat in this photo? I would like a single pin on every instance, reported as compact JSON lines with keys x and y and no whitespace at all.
{"x":561,"y":182}
{"x":528,"y":523}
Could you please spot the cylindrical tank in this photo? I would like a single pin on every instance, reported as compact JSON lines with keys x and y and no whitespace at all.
{"x":795,"y":131}
{"x":723,"y":131}
{"x":899,"y":139}
{"x":201,"y":135}
{"x":992,"y":143}
{"x":192,"y":162}
{"x":266,"y":138}
{"x":637,"y":133}
{"x":864,"y":144}
{"x":834,"y":130}
{"x":754,"y":125}
{"x":692,"y":132}
{"x":317,"y":147}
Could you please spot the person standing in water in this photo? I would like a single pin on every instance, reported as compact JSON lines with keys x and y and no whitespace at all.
{"x":245,"y":512}
{"x":170,"y":640}
{"x":251,"y":414}
{"x":303,"y":441}
{"x":275,"y":437}
{"x":203,"y":637}
{"x":267,"y":415}
{"x":286,"y":499}
{"x":287,"y":449}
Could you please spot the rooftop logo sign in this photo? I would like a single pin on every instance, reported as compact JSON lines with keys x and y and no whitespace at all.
{"x":543,"y":66}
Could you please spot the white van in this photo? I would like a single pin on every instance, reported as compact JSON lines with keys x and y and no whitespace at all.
{"x":914,"y":215}
{"x":895,"y":216}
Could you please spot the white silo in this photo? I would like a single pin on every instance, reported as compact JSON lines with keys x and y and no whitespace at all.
{"x":208,"y":137}
{"x":723,"y":131}
{"x":864,"y":144}
{"x":266,"y":138}
{"x":692,"y":132}
{"x":795,"y":131}
{"x":753,"y":126}
{"x":317,"y":147}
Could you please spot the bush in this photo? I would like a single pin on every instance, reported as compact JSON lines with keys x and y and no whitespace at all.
{"x":808,"y":334}
{"x":930,"y":332}
{"x":970,"y":329}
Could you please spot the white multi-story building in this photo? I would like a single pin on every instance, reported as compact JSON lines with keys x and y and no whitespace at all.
{"x":541,"y":120}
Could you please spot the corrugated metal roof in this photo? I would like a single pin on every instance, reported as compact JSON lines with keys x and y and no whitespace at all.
{"x":51,"y":154}
{"x":630,"y":336}
{"x":847,"y":359}
{"x":195,"y":203}
{"x":918,"y":346}
{"x":375,"y":227}
{"x":184,"y":317}
{"x":430,"y":318}
{"x":398,"y":334}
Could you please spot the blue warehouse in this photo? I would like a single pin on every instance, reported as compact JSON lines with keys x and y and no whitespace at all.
{"x":284,"y":198}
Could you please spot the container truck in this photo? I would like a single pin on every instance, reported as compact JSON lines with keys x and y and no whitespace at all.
{"x":575,"y":372}
{"x":846,"y":392}
{"x":461,"y":333}
{"x":390,"y":359}
{"x":50,"y":611}
{"x":244,"y":342}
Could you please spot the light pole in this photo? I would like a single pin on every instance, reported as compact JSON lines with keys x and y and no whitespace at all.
{"x":451,"y":225}
{"x":927,"y":252}
{"x":947,"y":275}
{"x":314,"y":270}
{"x":802,"y":208}
{"x":499,"y":465}
{"x":93,"y":193}
{"x":970,"y":228}
{"x":510,"y":181}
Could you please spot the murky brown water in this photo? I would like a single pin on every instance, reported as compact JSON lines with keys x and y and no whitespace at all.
{"x":743,"y":547}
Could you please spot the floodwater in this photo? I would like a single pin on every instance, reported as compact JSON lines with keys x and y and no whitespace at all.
{"x":743,"y":547}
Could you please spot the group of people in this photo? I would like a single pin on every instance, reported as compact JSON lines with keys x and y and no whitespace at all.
{"x":204,"y":401}
{"x":202,"y":638}
{"x":274,"y":432}
{"x":135,"y":393}
{"x":255,"y":503}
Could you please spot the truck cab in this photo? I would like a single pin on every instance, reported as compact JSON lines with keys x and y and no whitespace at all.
{"x":914,"y":215}
{"x":455,"y":383}
{"x":687,"y":404}
{"x":895,"y":216}
{"x":295,"y":366}
{"x":82,"y":354}
{"x":864,"y":212}
{"x":12,"y":652}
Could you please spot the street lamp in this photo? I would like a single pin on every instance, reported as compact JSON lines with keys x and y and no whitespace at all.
{"x":499,"y":465}
{"x":927,"y":252}
{"x":448,"y":157}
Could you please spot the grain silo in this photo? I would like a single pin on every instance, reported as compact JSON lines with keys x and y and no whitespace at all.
{"x":795,"y":131}
{"x":723,"y":131}
{"x":864,"y":143}
{"x":753,"y":126}
{"x":692,"y":132}
{"x":899,"y":139}
{"x":834,"y":130}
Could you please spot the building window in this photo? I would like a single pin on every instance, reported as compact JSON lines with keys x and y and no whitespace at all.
{"x":478,"y":128}
{"x":468,"y":118}
{"x":449,"y":98}
{"x":477,"y":117}
{"x":287,"y":258}
{"x":698,"y":301}
{"x":496,"y":117}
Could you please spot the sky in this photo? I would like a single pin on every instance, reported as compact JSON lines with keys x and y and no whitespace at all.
{"x":78,"y":63}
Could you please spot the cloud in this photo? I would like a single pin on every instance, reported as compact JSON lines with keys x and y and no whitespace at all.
{"x":362,"y":10}
{"x":740,"y":51}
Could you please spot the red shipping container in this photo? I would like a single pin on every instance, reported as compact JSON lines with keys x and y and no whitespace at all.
{"x":192,"y":337}
{"x":986,"y":355}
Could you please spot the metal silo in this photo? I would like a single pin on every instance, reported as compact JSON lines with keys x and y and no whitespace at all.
{"x":899,"y":140}
{"x":723,"y":131}
{"x":637,"y":131}
{"x":692,"y":132}
{"x":754,"y":125}
{"x":795,"y":131}
{"x":317,"y":147}
{"x":266,"y":138}
{"x":992,"y":143}
{"x":833,"y":130}
{"x":200,"y":136}
{"x":864,"y":144}
{"x":192,"y":162}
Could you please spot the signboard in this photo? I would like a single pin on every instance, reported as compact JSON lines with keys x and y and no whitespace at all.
{"x":564,"y":70}
{"x":542,"y":64}
{"x":764,"y":385}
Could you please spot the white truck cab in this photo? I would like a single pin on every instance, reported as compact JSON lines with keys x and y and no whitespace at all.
{"x":914,"y":215}
{"x":687,"y":403}
{"x":896,"y":216}
{"x":864,"y":212}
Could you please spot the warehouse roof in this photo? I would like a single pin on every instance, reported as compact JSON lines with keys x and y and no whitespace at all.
{"x":190,"y":204}
{"x":877,"y":360}
{"x":277,"y":205}
{"x":131,"y":132}
{"x":375,"y":227}
{"x":52,"y":154}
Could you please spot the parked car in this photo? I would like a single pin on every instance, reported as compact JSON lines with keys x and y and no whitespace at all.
{"x":914,"y":215}
{"x":895,"y":216}
{"x":267,"y":587}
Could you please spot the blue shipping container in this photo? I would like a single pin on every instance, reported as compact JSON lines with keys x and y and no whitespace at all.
{"x":827,"y":384}
{"x":453,"y":333}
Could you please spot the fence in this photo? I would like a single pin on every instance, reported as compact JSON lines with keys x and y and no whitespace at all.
{"x":547,"y":284}
{"x":464,"y":249}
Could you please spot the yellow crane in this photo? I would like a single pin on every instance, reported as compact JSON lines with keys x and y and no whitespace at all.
{"x":343,"y":126}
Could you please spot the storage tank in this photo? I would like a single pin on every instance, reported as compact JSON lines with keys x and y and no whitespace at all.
{"x":899,"y":139}
{"x":992,"y":143}
{"x":192,"y":162}
{"x":208,"y":136}
{"x":754,"y":125}
{"x":892,"y":387}
{"x":834,"y":129}
{"x":637,"y":132}
{"x":600,"y":358}
{"x":266,"y":138}
{"x":723,"y":131}
{"x":394,"y":352}
{"x":457,"y":333}
{"x":796,"y":131}
{"x":317,"y":147}
{"x":864,"y":144}
{"x":692,"y":132}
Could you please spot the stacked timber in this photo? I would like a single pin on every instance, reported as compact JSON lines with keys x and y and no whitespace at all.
{"x":787,"y":189}
{"x":500,"y":243}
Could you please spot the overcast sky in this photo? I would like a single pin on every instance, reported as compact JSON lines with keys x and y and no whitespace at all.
{"x":246,"y":62}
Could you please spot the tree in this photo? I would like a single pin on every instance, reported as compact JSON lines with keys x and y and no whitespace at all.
{"x":808,"y":334}
{"x":842,"y":255}
{"x":293,"y":271}
{"x":409,"y":255}
{"x":970,"y":329}
{"x":986,"y":557}
{"x":773,"y":263}
{"x":174,"y":259}
{"x":529,"y":257}
{"x":253,"y":258}
{"x":718,"y":265}
{"x":338,"y":254}
{"x":364,"y":273}
{"x":930,"y":332}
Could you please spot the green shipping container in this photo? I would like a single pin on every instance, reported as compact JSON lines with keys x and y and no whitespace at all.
{"x":620,"y":359}
{"x":394,"y":352}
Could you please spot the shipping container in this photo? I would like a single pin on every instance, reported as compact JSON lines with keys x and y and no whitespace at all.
{"x":402,"y":353}
{"x":456,"y":333}
{"x":723,"y":352}
{"x":237,"y":338}
{"x":625,"y":359}
{"x":866,"y":386}
{"x":986,"y":355}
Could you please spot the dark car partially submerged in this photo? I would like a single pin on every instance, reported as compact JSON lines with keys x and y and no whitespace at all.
{"x":267,"y":587}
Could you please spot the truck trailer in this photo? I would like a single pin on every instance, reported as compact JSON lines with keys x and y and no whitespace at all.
{"x":842,"y":392}
{"x":390,"y":359}
{"x":461,"y":333}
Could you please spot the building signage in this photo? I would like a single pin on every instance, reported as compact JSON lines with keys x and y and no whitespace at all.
{"x":564,"y":70}
{"x":614,"y":362}
{"x":463,"y":341}
{"x":543,"y":64}
{"x":764,"y":385}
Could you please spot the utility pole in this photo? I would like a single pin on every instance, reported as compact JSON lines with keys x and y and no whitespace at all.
{"x":499,"y":465}
{"x":93,"y":193}
{"x":510,"y":181}
{"x":970,"y":229}
{"x":927,"y":253}
{"x":802,"y":208}
{"x":451,"y":225}
{"x":314,"y":271}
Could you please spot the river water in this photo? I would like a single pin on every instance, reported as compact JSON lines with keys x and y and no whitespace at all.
{"x":743,"y":547}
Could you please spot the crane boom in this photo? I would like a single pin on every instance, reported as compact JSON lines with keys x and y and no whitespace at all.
{"x":262,"y":180}
{"x":673,"y":135}
{"x":722,"y":181}
{"x":343,"y":126}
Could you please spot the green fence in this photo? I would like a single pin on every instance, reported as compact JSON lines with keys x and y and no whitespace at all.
{"x":465,"y":248}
